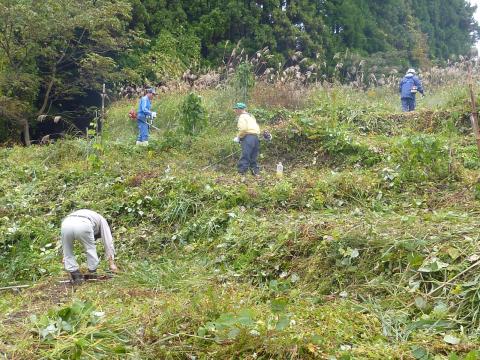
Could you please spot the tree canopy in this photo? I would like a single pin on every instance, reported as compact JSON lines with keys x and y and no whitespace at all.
{"x":316,"y":27}
{"x":53,"y":52}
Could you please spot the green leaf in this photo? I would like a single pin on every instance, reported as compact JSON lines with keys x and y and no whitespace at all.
{"x":472,"y":355}
{"x":440,"y":310}
{"x":419,"y":353}
{"x":452,"y":340}
{"x":415,"y":259}
{"x":433,"y":266}
{"x":278,"y":305}
{"x":283,"y":322}
{"x":453,"y":252}
{"x":226,"y":319}
{"x":233,"y":333}
{"x":201,"y":332}
{"x":354,"y":253}
{"x":317,"y":339}
{"x":437,"y":325}
{"x":421,"y":303}
{"x":245,"y":317}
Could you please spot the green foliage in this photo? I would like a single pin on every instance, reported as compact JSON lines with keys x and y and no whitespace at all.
{"x":53,"y":56}
{"x":94,"y":156}
{"x":67,"y":320}
{"x":422,"y":158}
{"x":88,"y":333}
{"x":363,"y":249}
{"x":228,"y":326}
{"x":336,"y":141}
{"x":171,"y":54}
{"x":57,"y":51}
{"x":193,"y":116}
{"x":243,"y":81}
{"x":318,"y":29}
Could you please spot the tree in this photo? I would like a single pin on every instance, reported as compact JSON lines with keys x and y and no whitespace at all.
{"x":54,"y":50}
{"x":320,"y":29}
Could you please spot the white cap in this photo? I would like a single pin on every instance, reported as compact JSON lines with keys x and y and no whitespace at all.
{"x":411,"y":71}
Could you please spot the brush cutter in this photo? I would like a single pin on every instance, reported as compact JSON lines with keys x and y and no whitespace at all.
{"x":266,"y":136}
{"x":150,"y":122}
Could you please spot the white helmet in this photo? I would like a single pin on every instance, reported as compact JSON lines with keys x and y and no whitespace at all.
{"x":411,"y":71}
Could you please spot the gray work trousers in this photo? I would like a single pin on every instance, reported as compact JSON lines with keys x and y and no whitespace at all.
{"x":81,"y":229}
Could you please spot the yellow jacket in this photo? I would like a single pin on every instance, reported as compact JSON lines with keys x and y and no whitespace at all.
{"x":247,"y":124}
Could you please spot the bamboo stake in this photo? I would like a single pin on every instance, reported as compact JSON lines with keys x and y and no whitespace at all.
{"x":101,"y":120}
{"x":14,"y":287}
{"x":474,"y":115}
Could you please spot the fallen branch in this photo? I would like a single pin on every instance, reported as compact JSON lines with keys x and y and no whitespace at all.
{"x":454,"y":278}
{"x":449,"y":282}
{"x":14,"y":287}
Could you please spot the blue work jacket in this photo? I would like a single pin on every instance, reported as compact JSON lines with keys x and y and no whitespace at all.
{"x":144,"y":108}
{"x":407,"y":84}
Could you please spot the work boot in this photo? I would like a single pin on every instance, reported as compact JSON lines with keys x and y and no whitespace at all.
{"x":92,"y":275}
{"x":76,"y":277}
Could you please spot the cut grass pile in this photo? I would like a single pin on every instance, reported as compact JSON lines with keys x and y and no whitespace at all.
{"x":367,"y":248}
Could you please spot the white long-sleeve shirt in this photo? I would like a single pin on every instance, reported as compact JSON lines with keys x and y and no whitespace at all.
{"x":100,"y":229}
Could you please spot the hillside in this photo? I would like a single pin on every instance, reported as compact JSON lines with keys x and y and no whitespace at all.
{"x":366,"y":248}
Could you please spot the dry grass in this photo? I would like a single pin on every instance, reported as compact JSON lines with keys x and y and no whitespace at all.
{"x":280,"y":95}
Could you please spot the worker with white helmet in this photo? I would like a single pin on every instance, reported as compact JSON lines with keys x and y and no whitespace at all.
{"x":409,"y":86}
{"x":144,"y":112}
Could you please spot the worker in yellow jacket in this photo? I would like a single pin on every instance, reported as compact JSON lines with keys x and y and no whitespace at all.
{"x":248,"y":131}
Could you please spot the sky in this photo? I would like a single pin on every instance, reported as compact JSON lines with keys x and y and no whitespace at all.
{"x":477,"y":15}
{"x":476,"y":2}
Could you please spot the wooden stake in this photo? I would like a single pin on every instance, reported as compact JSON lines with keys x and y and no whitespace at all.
{"x":474,"y":115}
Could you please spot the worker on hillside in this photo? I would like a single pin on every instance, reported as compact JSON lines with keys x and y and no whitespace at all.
{"x":248,"y":131}
{"x":409,"y":86}
{"x":86,"y":226}
{"x":143,"y":112}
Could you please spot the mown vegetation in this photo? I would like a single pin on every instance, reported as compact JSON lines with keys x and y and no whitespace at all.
{"x":366,"y":248}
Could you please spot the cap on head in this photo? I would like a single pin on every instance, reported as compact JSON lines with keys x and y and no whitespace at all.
{"x":151,"y":91}
{"x":240,"y":106}
{"x":411,"y":71}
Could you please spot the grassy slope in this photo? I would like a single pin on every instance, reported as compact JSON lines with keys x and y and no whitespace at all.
{"x":336,"y":259}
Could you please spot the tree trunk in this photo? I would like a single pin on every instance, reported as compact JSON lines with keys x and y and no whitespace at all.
{"x":26,"y":133}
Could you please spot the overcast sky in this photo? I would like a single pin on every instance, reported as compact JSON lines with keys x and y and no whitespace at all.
{"x":477,"y":14}
{"x":476,"y":2}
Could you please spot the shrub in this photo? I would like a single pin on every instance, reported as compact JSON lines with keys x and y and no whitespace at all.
{"x":421,"y":158}
{"x":193,"y":115}
{"x":243,"y":81}
{"x":336,"y":141}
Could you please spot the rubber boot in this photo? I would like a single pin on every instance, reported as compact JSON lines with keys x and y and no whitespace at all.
{"x":256,"y":174}
{"x":76,"y":277}
{"x":92,"y":275}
